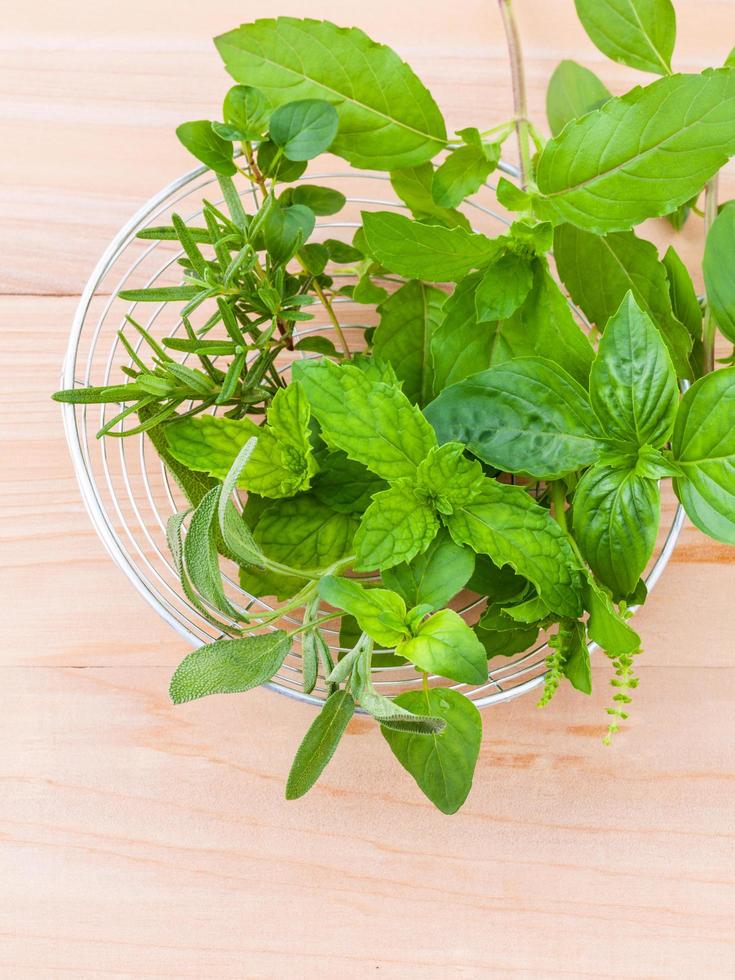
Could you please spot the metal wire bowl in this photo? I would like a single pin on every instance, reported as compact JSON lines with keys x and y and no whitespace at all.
{"x":127,"y":490}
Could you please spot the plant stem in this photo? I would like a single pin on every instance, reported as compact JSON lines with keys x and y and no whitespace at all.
{"x":708,"y":327}
{"x":557,"y":494}
{"x":518,"y":78}
{"x":316,"y":622}
{"x":328,"y":307}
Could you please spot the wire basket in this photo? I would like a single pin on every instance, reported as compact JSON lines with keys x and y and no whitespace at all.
{"x":130,"y":495}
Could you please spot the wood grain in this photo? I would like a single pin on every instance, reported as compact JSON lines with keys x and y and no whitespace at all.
{"x":138,"y":840}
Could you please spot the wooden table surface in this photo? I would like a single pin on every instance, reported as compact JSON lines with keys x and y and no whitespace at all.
{"x":138,"y":840}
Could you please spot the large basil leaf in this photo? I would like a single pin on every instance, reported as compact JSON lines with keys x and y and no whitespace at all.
{"x":524,"y":416}
{"x":633,"y":383}
{"x":599,"y":271}
{"x":637,"y":33}
{"x":229,"y":666}
{"x":373,"y":423}
{"x":434,"y":577}
{"x":200,"y":140}
{"x":408,"y":321}
{"x":387,"y":118}
{"x":444,"y":644}
{"x":319,"y":744}
{"x":640,"y":155}
{"x":685,"y":306}
{"x":506,"y":524}
{"x":442,"y":764}
{"x":573,"y":91}
{"x":420,"y":251}
{"x":719,"y":270}
{"x":398,"y":524}
{"x":504,"y":286}
{"x":615,"y":518}
{"x":704,"y":448}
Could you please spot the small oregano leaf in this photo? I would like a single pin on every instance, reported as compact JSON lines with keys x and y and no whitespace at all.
{"x":304,"y":129}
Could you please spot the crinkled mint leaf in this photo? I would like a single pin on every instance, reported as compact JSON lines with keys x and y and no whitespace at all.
{"x":399,"y":524}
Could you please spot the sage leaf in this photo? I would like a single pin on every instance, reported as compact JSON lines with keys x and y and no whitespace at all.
{"x":420,"y":251}
{"x":463,"y":172}
{"x":573,"y":91}
{"x":319,"y":744}
{"x":506,"y":524}
{"x":387,"y":118}
{"x":433,"y":577}
{"x":444,"y":644}
{"x":442,"y":764}
{"x":230,"y":666}
{"x":414,"y":186}
{"x":719,"y":270}
{"x":704,"y":448}
{"x":399,"y":524}
{"x":504,"y":286}
{"x":364,"y":418}
{"x":392,"y":716}
{"x":408,"y":321}
{"x":637,"y":33}
{"x":641,"y":155}
{"x":175,"y":545}
{"x":236,"y":535}
{"x":624,"y":263}
{"x":615,"y":519}
{"x":380,"y":613}
{"x":633,"y":386}
{"x":526,"y":416}
{"x":201,"y":558}
{"x":200,"y":140}
{"x":304,"y":129}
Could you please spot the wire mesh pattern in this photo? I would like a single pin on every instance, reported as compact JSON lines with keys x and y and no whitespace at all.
{"x":127,"y":490}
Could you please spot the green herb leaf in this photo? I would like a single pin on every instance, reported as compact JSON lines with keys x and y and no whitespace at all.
{"x":503,"y":287}
{"x":463,"y":172}
{"x":685,"y":306}
{"x":442,"y":765}
{"x":507,"y":643}
{"x":229,"y":666}
{"x":433,"y":577}
{"x":719,"y":270}
{"x":633,"y":383}
{"x":387,"y":119}
{"x":524,"y":416}
{"x":208,"y":443}
{"x":408,"y":321}
{"x":319,"y":744}
{"x":272,"y":163}
{"x":245,"y":110}
{"x":615,"y":519}
{"x":704,"y":448}
{"x":200,"y":140}
{"x":414,"y":187}
{"x":305,"y":128}
{"x":286,"y":229}
{"x":606,"y":626}
{"x":506,"y":524}
{"x":364,"y":418}
{"x":392,"y":716}
{"x":320,"y":200}
{"x":576,"y":658}
{"x":641,"y":155}
{"x":624,"y":263}
{"x":573,"y":91}
{"x":420,"y":251}
{"x":637,"y":33}
{"x":449,"y":478}
{"x":201,"y":558}
{"x":380,"y":613}
{"x":398,"y":524}
{"x":344,"y":485}
{"x":444,"y":644}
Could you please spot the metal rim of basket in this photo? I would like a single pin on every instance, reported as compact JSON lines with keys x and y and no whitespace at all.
{"x":504,"y":682}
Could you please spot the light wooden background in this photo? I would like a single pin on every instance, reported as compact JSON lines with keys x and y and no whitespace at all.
{"x":138,"y":840}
